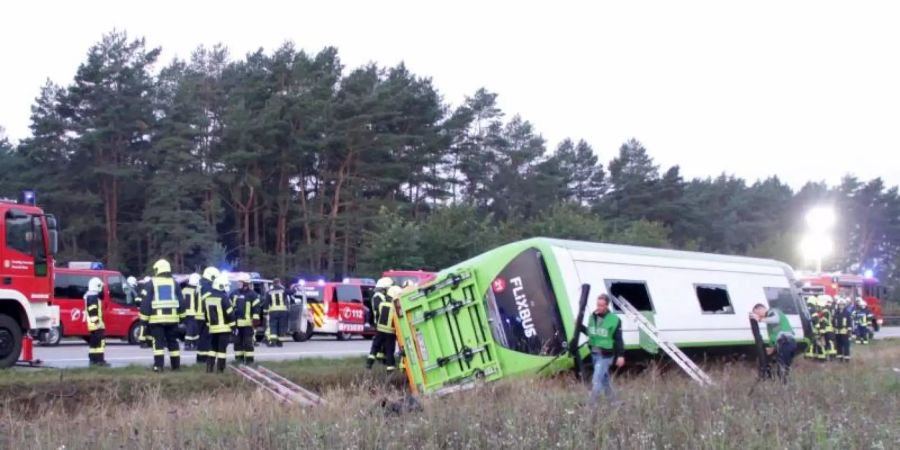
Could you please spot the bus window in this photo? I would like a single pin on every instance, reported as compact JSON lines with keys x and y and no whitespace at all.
{"x":524,"y":312}
{"x":713,"y":299}
{"x":634,"y":291}
{"x":782,"y":299}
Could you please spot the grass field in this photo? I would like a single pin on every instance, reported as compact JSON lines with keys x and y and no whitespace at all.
{"x":825,"y":406}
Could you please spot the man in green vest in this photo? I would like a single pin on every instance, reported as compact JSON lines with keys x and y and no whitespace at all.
{"x":781,"y":337}
{"x":604,"y":332}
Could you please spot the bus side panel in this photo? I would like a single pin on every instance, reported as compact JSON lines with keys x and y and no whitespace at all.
{"x":678,"y":314}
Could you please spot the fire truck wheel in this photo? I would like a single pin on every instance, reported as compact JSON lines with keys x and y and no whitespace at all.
{"x":134,"y":333}
{"x":53,"y":336}
{"x":344,"y":336}
{"x":10,"y":341}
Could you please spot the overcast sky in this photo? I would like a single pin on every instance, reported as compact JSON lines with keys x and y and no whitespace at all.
{"x":807,"y":90}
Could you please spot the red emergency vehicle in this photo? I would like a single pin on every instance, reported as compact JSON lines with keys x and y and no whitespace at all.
{"x":335,"y":308}
{"x":847,"y":285}
{"x":28,"y":240}
{"x":120,"y":310}
{"x":401,"y":277}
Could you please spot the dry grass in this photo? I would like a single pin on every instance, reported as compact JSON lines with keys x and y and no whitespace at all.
{"x":831,"y":406}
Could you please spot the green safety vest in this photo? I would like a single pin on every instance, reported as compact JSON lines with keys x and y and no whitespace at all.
{"x":783,"y":326}
{"x":385,"y":321}
{"x":165,"y":303}
{"x":601,"y":333}
{"x":216,"y":315}
{"x":276,"y":300}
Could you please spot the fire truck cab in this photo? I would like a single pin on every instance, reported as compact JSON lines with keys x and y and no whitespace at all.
{"x":120,"y":308}
{"x":28,"y":241}
{"x":847,"y":285}
{"x":332,"y":308}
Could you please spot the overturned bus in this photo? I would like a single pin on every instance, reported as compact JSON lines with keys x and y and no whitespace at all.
{"x":511,"y":311}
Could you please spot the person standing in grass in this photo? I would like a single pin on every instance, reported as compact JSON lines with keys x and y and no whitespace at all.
{"x":604,"y":332}
{"x":781,"y":337}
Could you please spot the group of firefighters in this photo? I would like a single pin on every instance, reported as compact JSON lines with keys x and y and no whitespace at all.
{"x":212,"y":314}
{"x":836,"y":323}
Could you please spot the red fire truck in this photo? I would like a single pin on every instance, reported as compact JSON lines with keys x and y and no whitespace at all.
{"x":847,"y":285}
{"x":120,"y":310}
{"x":28,"y":240}
{"x":333,"y":308}
{"x":401,"y":277}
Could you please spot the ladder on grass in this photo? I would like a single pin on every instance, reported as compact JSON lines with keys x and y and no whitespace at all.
{"x":686,"y":364}
{"x":280,"y":387}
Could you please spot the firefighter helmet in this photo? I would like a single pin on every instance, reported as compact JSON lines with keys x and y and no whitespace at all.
{"x":862,"y":303}
{"x":812,"y":300}
{"x":95,"y":285}
{"x":244,"y":277}
{"x":384,"y":283}
{"x":394,"y":291}
{"x":210,"y":273}
{"x":132,"y":281}
{"x":222,"y":283}
{"x":162,"y":266}
{"x":194,"y":280}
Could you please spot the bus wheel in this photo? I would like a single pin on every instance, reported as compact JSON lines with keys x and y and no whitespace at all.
{"x":10,"y":341}
{"x":134,"y":333}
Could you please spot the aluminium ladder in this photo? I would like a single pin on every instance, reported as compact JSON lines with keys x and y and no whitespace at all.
{"x":280,"y":387}
{"x":686,"y":364}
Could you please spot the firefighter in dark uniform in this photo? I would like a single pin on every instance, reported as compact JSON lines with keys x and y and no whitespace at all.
{"x":163,"y":308}
{"x":276,"y":305}
{"x":381,"y":287}
{"x":862,"y":318}
{"x":246,"y":312}
{"x":843,"y":326}
{"x":93,"y":308}
{"x":144,"y":338}
{"x":191,"y":295}
{"x":219,"y":314}
{"x":384,"y":326}
{"x":203,"y":340}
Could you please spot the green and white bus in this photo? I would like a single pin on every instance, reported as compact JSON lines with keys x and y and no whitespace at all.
{"x":511,"y":311}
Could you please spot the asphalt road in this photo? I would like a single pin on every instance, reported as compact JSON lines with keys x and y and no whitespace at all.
{"x":73,"y":353}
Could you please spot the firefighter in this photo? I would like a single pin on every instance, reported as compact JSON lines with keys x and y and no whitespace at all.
{"x":811,"y":347}
{"x":191,"y":295}
{"x":277,"y":314}
{"x":246,"y":311}
{"x":862,"y":317}
{"x":93,"y":307}
{"x":828,"y":322}
{"x":381,"y":287}
{"x":144,"y":338}
{"x":842,"y":328}
{"x":163,"y":308}
{"x":820,"y":325}
{"x":385,"y":328}
{"x":218,"y":313}
{"x":203,"y":339}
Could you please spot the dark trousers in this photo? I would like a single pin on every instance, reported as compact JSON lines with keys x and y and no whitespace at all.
{"x":843,"y":346}
{"x":165,"y":336}
{"x":277,"y":324}
{"x":203,"y":341}
{"x":191,"y":332}
{"x":862,"y":334}
{"x":216,"y":357}
{"x":383,"y":343}
{"x":243,"y":345}
{"x":786,"y":348}
{"x":96,"y":346}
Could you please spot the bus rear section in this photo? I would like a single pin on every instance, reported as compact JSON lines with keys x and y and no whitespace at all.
{"x":493,"y":316}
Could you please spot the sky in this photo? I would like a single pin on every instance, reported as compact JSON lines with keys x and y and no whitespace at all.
{"x":806,"y":90}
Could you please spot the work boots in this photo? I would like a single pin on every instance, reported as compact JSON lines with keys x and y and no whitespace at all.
{"x":175,"y":361}
{"x":220,"y":364}
{"x":210,"y":365}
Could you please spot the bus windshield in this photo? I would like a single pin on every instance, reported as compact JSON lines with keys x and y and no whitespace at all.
{"x":523,"y":310}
